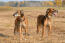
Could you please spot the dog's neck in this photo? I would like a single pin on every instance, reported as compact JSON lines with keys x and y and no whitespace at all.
{"x":22,"y":18}
{"x":48,"y":16}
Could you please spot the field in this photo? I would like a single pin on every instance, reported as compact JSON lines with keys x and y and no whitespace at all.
{"x":7,"y":27}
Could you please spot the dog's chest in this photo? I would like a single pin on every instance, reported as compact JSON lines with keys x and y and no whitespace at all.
{"x":22,"y":22}
{"x":48,"y":22}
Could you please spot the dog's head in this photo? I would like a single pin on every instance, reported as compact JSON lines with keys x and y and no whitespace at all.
{"x":51,"y":11}
{"x":17,"y":13}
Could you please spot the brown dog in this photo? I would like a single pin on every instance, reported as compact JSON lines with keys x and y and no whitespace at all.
{"x":46,"y":20}
{"x":20,"y":22}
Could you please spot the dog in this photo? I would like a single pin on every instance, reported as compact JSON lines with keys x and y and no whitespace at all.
{"x":44,"y":20}
{"x":20,"y":22}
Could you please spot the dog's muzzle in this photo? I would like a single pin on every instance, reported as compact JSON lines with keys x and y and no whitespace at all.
{"x":55,"y":12}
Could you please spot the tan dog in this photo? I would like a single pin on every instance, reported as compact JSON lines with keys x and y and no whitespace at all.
{"x":46,"y":20}
{"x":20,"y":22}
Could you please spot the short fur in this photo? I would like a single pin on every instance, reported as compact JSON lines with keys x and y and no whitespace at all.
{"x":44,"y":20}
{"x":20,"y":22}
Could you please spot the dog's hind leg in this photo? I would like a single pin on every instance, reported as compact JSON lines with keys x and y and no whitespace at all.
{"x":38,"y":28}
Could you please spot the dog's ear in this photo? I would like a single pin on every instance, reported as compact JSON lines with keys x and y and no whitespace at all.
{"x":22,"y":13}
{"x":47,"y":11}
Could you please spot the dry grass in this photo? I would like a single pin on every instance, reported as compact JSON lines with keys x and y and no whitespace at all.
{"x":7,"y":27}
{"x":7,"y":8}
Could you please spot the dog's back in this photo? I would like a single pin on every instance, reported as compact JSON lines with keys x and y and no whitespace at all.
{"x":40,"y":19}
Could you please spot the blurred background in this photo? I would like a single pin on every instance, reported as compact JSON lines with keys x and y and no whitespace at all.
{"x":33,"y":3}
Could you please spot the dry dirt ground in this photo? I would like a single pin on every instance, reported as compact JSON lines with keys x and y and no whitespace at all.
{"x":7,"y":28}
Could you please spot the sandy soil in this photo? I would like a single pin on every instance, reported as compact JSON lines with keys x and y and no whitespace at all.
{"x":7,"y":28}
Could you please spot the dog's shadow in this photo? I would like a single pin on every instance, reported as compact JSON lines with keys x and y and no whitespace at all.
{"x":2,"y":35}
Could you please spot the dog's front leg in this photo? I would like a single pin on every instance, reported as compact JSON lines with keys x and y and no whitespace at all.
{"x":44,"y":27}
{"x":26,"y":28}
{"x":20,"y":31}
{"x":49,"y":29}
